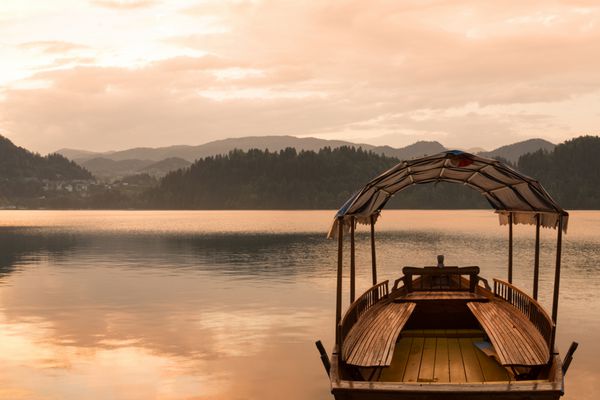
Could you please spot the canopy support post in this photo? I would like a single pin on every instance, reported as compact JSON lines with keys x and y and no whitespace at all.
{"x":373,"y":255}
{"x":536,"y":264}
{"x":338,"y":303}
{"x":510,"y":247}
{"x":556,"y":281}
{"x":352,"y":262}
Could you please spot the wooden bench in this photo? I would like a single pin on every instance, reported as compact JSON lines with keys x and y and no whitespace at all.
{"x":444,"y":278}
{"x":372,"y":339}
{"x":440,"y":295}
{"x":440,"y":283}
{"x":516,"y":340}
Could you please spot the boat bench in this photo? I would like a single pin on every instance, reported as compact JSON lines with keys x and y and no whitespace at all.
{"x":435,"y":283}
{"x":372,"y":339}
{"x":515,"y":339}
{"x":440,"y":279}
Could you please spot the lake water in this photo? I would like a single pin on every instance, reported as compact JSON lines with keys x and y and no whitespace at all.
{"x":227,"y":304}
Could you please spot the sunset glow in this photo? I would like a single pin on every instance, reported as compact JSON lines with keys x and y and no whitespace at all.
{"x":112,"y":74}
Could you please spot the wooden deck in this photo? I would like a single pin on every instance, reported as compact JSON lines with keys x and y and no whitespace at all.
{"x":516,"y":340}
{"x":442,"y":356}
{"x":441,"y":295}
{"x":370,"y":342}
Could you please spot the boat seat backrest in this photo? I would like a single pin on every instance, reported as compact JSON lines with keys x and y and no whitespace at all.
{"x":446,"y":278}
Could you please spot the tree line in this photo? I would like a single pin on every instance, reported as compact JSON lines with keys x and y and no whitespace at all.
{"x":288,"y":179}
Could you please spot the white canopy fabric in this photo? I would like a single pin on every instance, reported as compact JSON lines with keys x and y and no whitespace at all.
{"x":507,"y":191}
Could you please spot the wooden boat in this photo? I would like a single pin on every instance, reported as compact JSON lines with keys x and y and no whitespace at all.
{"x":443,"y":332}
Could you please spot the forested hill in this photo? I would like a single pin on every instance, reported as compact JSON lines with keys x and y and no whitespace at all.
{"x":325,"y":179}
{"x":570,"y":173}
{"x":290,"y":180}
{"x":17,"y":162}
{"x":261,"y":179}
{"x":24,"y":174}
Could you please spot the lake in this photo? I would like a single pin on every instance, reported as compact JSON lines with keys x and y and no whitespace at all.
{"x":227,"y":304}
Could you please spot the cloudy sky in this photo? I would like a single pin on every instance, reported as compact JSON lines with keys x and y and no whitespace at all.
{"x":113,"y":74}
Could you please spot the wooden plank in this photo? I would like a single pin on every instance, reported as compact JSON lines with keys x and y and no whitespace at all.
{"x":441,"y":372}
{"x":411,"y":374}
{"x":512,"y":331}
{"x":471,"y":362}
{"x":489,"y":321}
{"x":517,"y":336}
{"x":492,"y":370}
{"x":518,"y":342}
{"x":358,"y":330}
{"x":448,"y":333}
{"x":455,"y":362}
{"x":378,"y":336}
{"x":403,"y":318}
{"x":428,"y":360}
{"x":395,"y":372}
{"x":494,"y":336}
{"x":441,"y":295}
{"x":514,"y":337}
{"x":372,"y":340}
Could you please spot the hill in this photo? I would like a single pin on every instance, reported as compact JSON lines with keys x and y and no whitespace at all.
{"x":24,"y":174}
{"x":512,"y":152}
{"x":115,"y":165}
{"x":271,"y":143}
{"x":105,"y":168}
{"x":291,"y":180}
{"x":570,"y":173}
{"x":163,"y":167}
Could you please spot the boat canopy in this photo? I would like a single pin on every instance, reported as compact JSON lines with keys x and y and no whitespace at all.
{"x":509,"y":192}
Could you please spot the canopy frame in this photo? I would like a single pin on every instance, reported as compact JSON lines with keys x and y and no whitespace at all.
{"x":508,"y":191}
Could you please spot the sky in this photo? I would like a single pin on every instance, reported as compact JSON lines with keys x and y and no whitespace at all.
{"x":113,"y":74}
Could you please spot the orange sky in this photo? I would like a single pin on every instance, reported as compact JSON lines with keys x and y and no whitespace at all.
{"x":112,"y":74}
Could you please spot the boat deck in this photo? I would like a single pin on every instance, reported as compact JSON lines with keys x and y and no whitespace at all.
{"x":502,"y":337}
{"x":442,"y":356}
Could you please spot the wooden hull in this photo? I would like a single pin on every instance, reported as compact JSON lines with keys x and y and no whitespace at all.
{"x":550,"y":389}
{"x":520,"y":336}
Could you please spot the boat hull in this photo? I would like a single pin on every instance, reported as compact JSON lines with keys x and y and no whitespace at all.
{"x":550,"y":389}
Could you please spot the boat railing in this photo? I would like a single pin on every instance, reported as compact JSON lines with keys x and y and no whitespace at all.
{"x":361,"y":305}
{"x":528,"y":306}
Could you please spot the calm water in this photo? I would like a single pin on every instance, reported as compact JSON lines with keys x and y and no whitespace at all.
{"x":227,"y":305}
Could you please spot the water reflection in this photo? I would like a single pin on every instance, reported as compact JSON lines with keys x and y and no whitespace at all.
{"x":124,"y":306}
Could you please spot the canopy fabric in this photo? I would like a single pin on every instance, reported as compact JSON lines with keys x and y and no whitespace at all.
{"x":507,"y":191}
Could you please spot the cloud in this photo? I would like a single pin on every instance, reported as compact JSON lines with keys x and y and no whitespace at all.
{"x":52,"y":46}
{"x":123,"y":4}
{"x":336,"y":69}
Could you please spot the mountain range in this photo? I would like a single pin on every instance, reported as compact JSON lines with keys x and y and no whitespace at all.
{"x":161,"y":160}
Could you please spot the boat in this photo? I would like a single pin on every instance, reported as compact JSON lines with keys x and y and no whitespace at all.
{"x":440,"y":331}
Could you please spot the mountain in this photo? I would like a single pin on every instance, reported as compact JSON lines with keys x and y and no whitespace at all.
{"x":303,"y":180}
{"x":24,"y":174}
{"x":418,"y":149}
{"x":272,"y":143}
{"x":18,"y":163}
{"x":570,"y":173}
{"x":512,"y":152}
{"x":75,"y":154}
{"x":289,"y":179}
{"x":105,"y":168}
{"x":161,"y":168}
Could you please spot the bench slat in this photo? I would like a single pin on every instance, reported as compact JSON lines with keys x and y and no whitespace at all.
{"x":371,"y":341}
{"x":441,"y":295}
{"x":516,"y":341}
